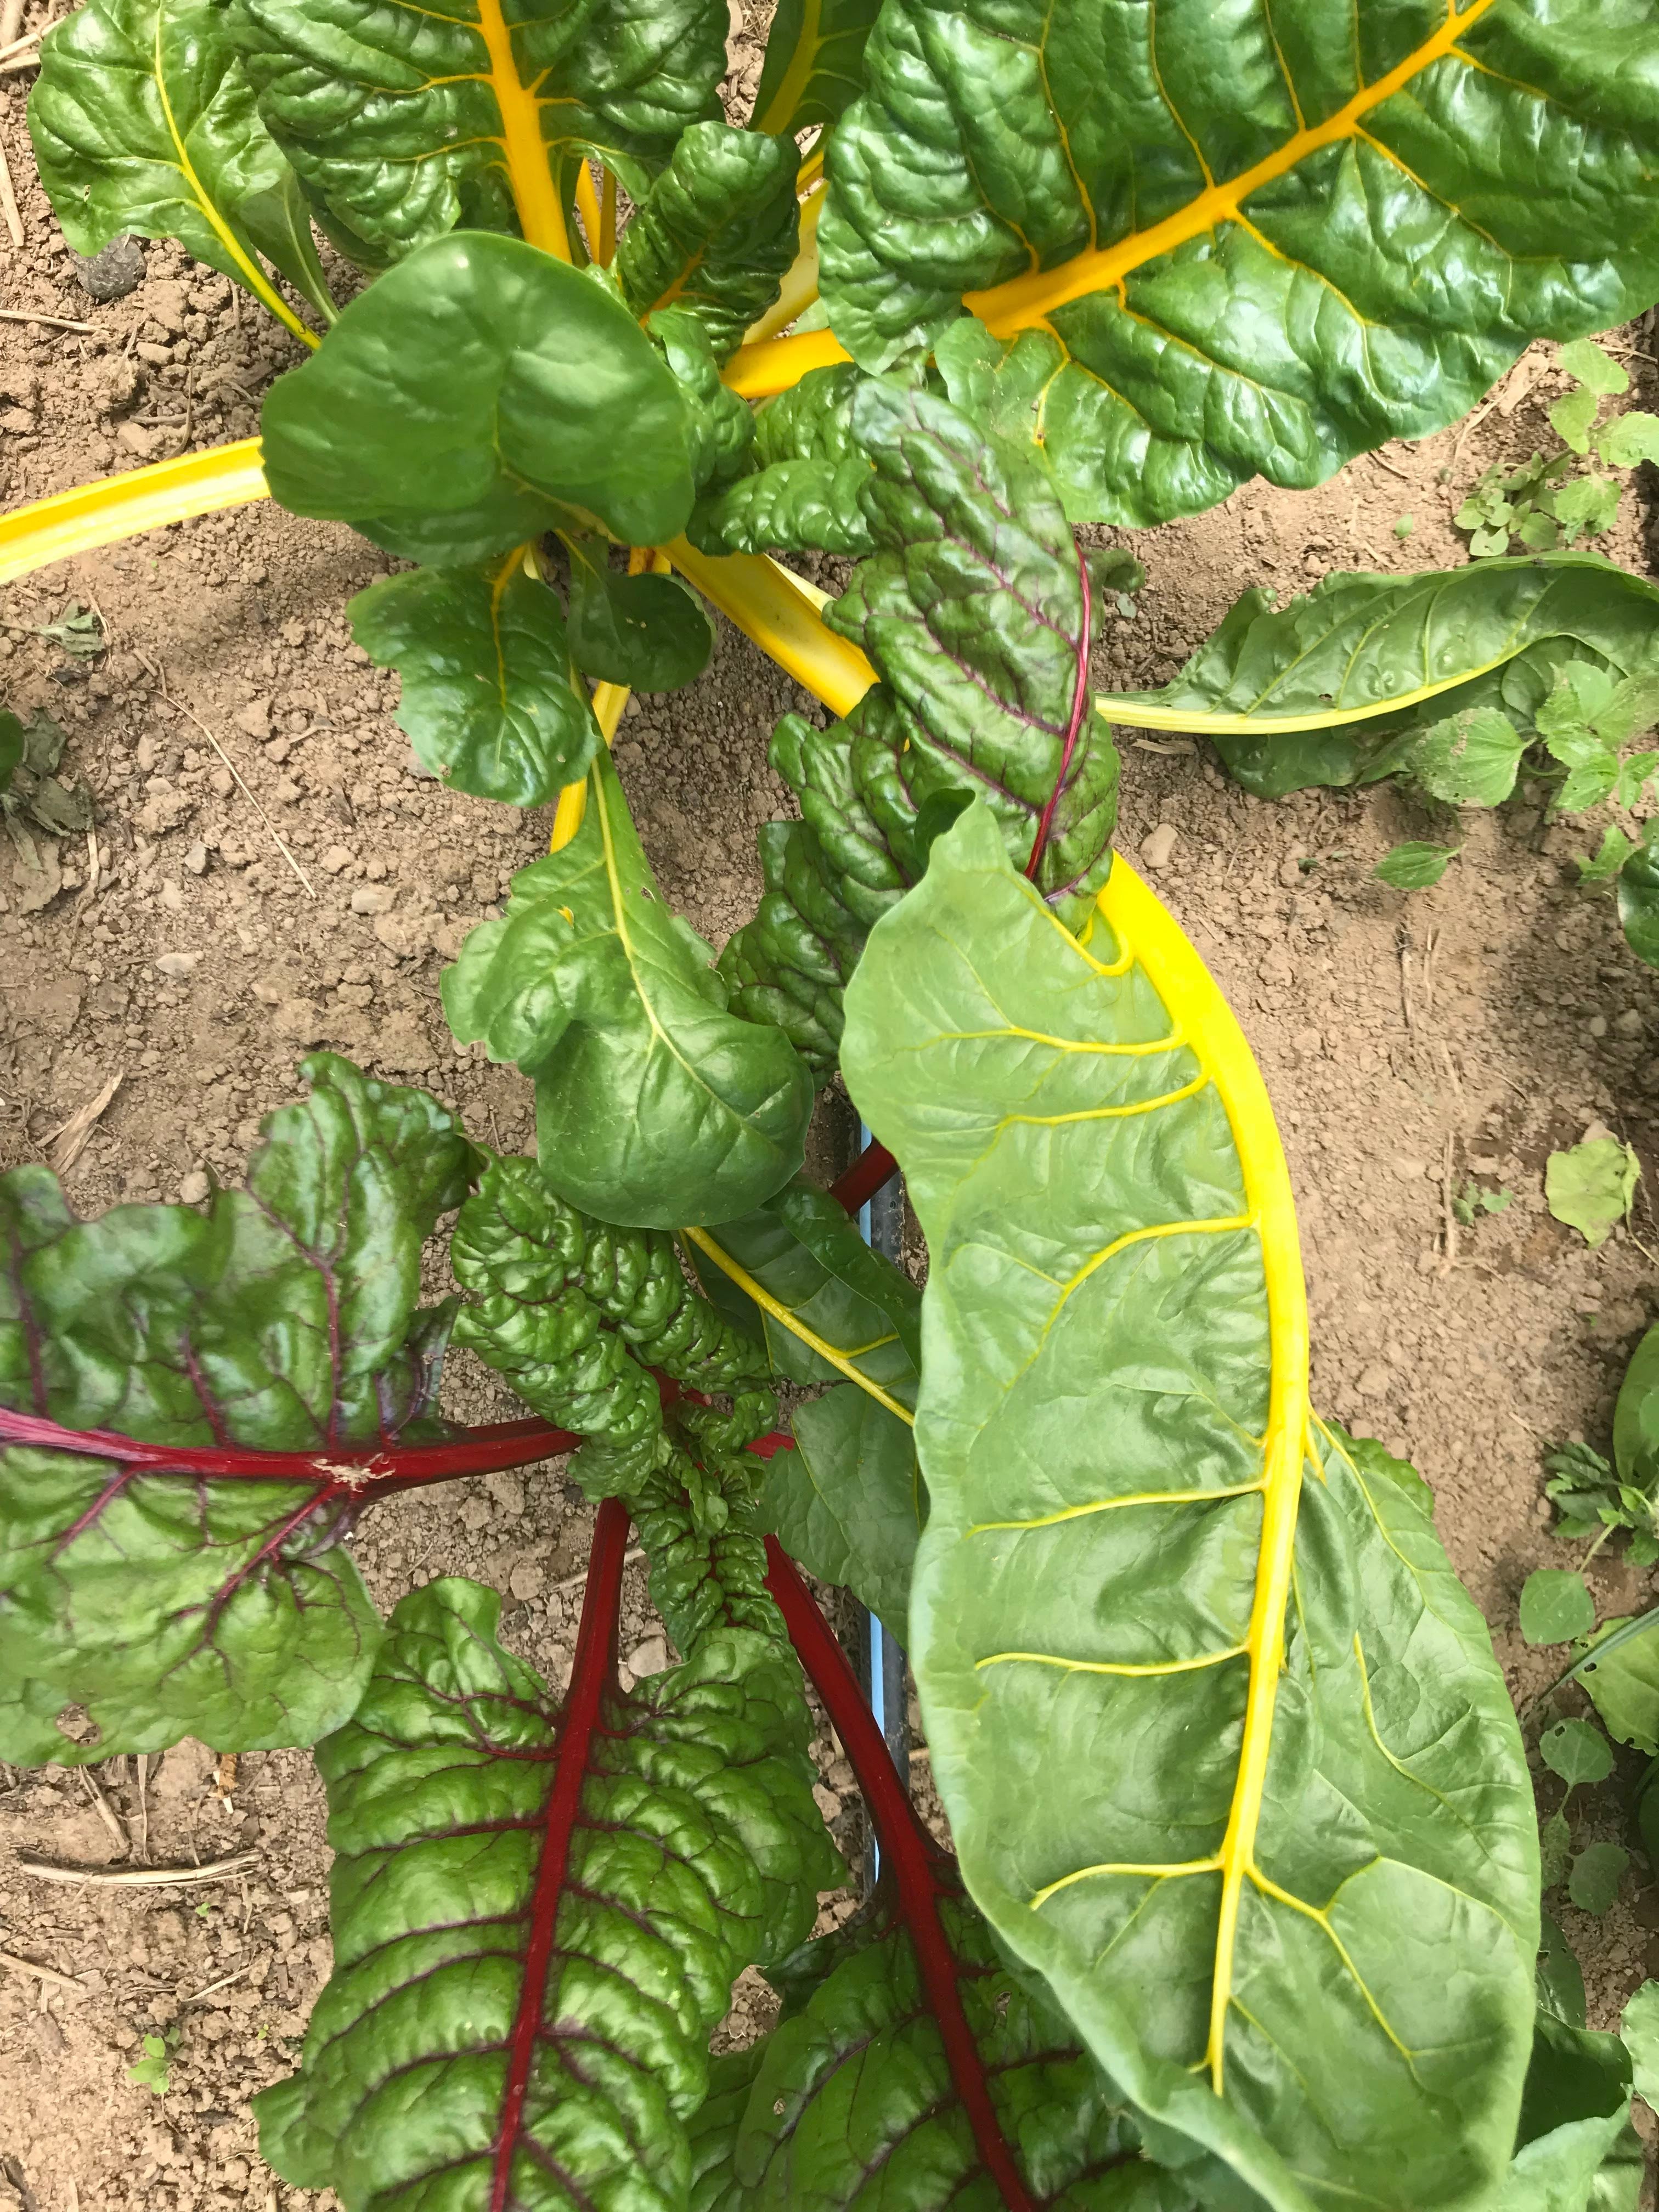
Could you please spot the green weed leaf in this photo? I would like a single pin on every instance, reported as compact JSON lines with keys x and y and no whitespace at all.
{"x":1593,"y":1884}
{"x":1611,"y":855}
{"x":1624,"y":1687}
{"x":1571,"y":418}
{"x":1556,"y":1606}
{"x":1638,"y":899}
{"x":1639,"y":2028}
{"x":152,"y":2070}
{"x":1590,"y":1186}
{"x":1414,"y":866}
{"x":1576,"y":1752}
{"x":1598,"y":372}
{"x":1630,"y":438}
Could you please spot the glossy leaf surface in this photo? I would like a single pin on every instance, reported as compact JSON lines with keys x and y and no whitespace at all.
{"x":538,"y":1916}
{"x":1385,"y":673}
{"x":479,"y":394}
{"x":852,"y":2105}
{"x":848,"y":1503}
{"x":285,"y":1317}
{"x":1282,"y":1829}
{"x":1248,"y":241}
{"x":814,"y":63}
{"x":802,"y":492}
{"x":143,"y":120}
{"x":654,"y":1104}
{"x":488,"y":699}
{"x":409,"y":121}
{"x":716,"y":232}
{"x":647,"y":632}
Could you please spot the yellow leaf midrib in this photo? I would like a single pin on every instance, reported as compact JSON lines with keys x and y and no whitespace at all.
{"x":1028,"y":299}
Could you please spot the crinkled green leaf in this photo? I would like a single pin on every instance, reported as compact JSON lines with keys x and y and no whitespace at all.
{"x":1415,"y":866}
{"x":284,"y":1318}
{"x":1450,"y":644}
{"x":1556,"y":1606}
{"x":1251,"y":241}
{"x":468,"y":1858}
{"x":1575,"y":2149}
{"x":1590,"y":1186}
{"x":716,"y":232}
{"x":1638,"y":900}
{"x":972,"y":610}
{"x":1107,"y":1391}
{"x":852,"y":2106}
{"x":410,"y":121}
{"x":1585,"y":361}
{"x":488,"y":699}
{"x":478,"y":394}
{"x":143,"y":120}
{"x":647,"y":631}
{"x":1588,"y":506}
{"x":814,"y":63}
{"x":720,"y":427}
{"x":808,"y":469}
{"x":655,"y":1106}
{"x":1572,"y":416}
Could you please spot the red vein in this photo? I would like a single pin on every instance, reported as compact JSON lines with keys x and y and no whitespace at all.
{"x":591,"y":1675}
{"x":1079,"y":700}
{"x":906,"y":1846}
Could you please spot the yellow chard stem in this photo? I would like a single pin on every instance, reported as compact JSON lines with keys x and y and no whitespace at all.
{"x":757,"y":372}
{"x":72,"y":522}
{"x":780,"y":613}
{"x":587,"y":206}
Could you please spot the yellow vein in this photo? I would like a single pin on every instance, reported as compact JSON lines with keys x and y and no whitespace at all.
{"x":1152,"y":1871}
{"x":1138,"y":1668}
{"x":1321,"y":1920}
{"x":1107,"y":1113}
{"x":1113,"y":1504}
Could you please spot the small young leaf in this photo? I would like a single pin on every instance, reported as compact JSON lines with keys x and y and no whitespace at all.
{"x":1468,"y":759}
{"x":1640,"y":2030}
{"x":1630,"y":438}
{"x":1615,"y":849}
{"x":1588,"y":783}
{"x":1590,"y":505}
{"x":1590,"y":1186}
{"x":1560,"y":1977}
{"x":1404,"y":527}
{"x":1414,"y":866}
{"x":1634,"y":777}
{"x":1539,"y":532}
{"x":1584,"y":360}
{"x":1571,"y":418}
{"x":1555,"y":1607}
{"x":1593,"y":1885}
{"x":648,"y":632}
{"x":151,"y":2071}
{"x":1576,"y":1752}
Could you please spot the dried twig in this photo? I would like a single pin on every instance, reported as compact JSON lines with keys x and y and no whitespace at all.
{"x":225,"y":1780}
{"x":33,"y":314}
{"x":142,"y":1763}
{"x":575,"y":1582}
{"x":140,"y":1877}
{"x":8,"y":203}
{"x":105,"y":1812}
{"x":46,"y":1974}
{"x":179,"y":708}
{"x":1447,"y":1217}
{"x":10,"y":43}
{"x":1393,"y":471}
{"x":196,"y":1995}
{"x":69,"y":1142}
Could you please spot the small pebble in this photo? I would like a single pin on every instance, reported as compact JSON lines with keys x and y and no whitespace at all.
{"x":373,"y":898}
{"x":194,"y":1187}
{"x":177,"y":965}
{"x":1158,"y":845}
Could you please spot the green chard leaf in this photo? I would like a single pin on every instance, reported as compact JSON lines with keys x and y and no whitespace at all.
{"x":814,"y":63}
{"x":973,"y":610}
{"x":853,"y":2103}
{"x":284,"y":1318}
{"x":645,"y":631}
{"x":1242,"y":245}
{"x":407,"y":121}
{"x":539,"y":1914}
{"x":1577,"y":2151}
{"x":143,"y":120}
{"x":847,"y":1503}
{"x":715,"y":233}
{"x":655,"y":1105}
{"x":1443,"y":676}
{"x":802,"y":494}
{"x":1276,"y":1843}
{"x":1639,"y":2029}
{"x":488,"y":699}
{"x":478,"y":394}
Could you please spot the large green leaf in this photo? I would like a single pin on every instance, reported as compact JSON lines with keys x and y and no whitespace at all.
{"x":1442,"y":675}
{"x":1636,"y":1417}
{"x":973,"y":610}
{"x":478,"y":394}
{"x":143,"y":120}
{"x":1244,"y":1784}
{"x":1576,"y":2150}
{"x":802,"y":492}
{"x":538,"y":1916}
{"x":655,"y":1107}
{"x":284,"y":1318}
{"x":488,"y":699}
{"x":1248,"y":239}
{"x":716,"y":232}
{"x":645,"y":631}
{"x":852,"y":2106}
{"x":848,"y":1502}
{"x":814,"y":62}
{"x":1638,"y":900}
{"x":407,"y":120}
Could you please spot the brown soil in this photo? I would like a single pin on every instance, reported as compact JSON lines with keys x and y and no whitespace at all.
{"x":1406,"y":1041}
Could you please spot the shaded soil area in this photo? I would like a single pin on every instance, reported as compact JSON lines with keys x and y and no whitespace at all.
{"x":267,"y":873}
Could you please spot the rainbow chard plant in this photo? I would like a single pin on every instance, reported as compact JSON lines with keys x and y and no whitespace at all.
{"x":1242,"y":1908}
